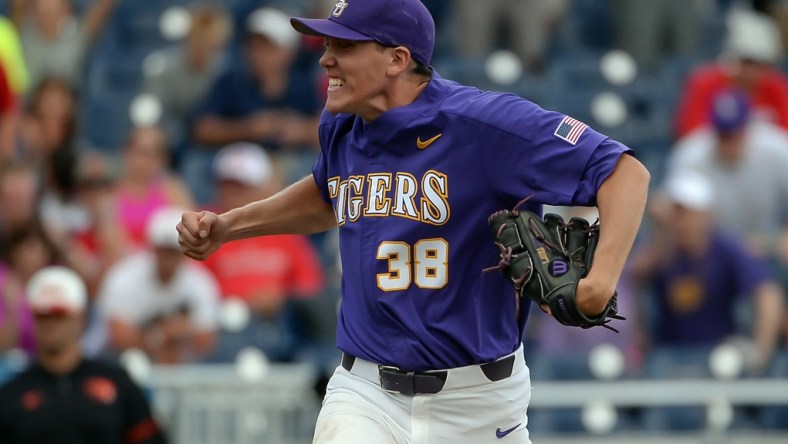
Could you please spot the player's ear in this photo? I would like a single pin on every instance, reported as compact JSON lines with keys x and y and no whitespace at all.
{"x":400,"y":61}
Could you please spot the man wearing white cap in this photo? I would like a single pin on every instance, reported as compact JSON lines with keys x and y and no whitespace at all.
{"x":700,"y":274}
{"x":65,"y":397}
{"x":158,"y":301}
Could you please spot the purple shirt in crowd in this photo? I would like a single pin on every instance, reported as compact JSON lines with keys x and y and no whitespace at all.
{"x":696,"y":297}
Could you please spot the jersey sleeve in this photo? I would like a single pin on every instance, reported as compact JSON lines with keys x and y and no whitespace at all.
{"x":139,"y":425}
{"x":550,"y":156}
{"x":601,"y":164}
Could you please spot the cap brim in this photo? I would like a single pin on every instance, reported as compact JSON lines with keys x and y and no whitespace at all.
{"x":327,"y":28}
{"x":54,"y":310}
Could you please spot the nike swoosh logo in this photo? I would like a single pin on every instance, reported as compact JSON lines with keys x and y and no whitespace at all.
{"x":500,"y":434}
{"x":424,"y":144}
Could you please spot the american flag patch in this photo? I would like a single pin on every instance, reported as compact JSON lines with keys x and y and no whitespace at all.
{"x":570,"y":130}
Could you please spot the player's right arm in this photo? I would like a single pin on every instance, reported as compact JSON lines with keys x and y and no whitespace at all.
{"x":298,"y":209}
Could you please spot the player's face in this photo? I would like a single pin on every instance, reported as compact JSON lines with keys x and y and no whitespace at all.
{"x":357,"y":77}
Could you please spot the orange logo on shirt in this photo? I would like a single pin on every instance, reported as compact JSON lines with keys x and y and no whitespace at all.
{"x":100,"y":389}
{"x":686,"y":294}
{"x":32,"y":400}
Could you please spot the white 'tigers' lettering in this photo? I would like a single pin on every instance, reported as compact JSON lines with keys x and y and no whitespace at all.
{"x":377,"y":202}
{"x":435,"y":204}
{"x":386,"y":197}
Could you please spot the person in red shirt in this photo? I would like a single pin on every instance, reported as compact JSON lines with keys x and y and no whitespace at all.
{"x":749,"y":62}
{"x":264,"y":272}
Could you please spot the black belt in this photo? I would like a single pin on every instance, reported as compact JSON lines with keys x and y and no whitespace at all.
{"x":413,"y":383}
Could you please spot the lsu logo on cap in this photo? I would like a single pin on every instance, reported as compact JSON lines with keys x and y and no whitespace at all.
{"x":339,"y":8}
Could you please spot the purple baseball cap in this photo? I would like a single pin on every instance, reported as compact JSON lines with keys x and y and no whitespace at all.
{"x":391,"y":23}
{"x":730,"y":110}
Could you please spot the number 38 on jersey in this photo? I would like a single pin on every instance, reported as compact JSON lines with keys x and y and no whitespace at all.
{"x":424,"y":264}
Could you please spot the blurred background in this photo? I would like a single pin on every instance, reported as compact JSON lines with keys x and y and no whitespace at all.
{"x":116,"y":114}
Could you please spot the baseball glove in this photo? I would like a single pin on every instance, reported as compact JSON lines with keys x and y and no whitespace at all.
{"x":545,"y":258}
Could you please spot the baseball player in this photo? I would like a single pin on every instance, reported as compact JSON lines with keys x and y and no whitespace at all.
{"x":411,"y":167}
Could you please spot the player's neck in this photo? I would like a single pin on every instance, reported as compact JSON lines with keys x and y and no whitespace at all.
{"x":400,"y":94}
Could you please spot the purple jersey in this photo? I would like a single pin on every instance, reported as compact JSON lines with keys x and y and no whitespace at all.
{"x":412,"y":191}
{"x":696,"y":297}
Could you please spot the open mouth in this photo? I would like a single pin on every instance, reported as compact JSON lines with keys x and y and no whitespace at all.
{"x":335,"y":83}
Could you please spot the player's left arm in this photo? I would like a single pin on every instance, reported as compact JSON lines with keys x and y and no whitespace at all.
{"x":621,"y":200}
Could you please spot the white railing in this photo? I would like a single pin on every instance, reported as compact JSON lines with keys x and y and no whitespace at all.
{"x":661,"y":393}
{"x":215,"y":404}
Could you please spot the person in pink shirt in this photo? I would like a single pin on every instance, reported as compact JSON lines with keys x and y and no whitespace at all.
{"x":146,"y":183}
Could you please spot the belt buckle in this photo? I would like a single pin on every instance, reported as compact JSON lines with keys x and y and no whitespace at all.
{"x":390,"y":369}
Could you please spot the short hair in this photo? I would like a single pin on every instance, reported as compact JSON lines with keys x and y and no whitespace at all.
{"x":421,"y":69}
{"x":416,"y":67}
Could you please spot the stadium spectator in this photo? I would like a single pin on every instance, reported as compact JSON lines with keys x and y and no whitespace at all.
{"x":146,"y":183}
{"x":19,"y":188}
{"x":746,"y":160}
{"x":264,"y":272}
{"x":750,"y":61}
{"x":51,"y":140}
{"x":703,"y":281}
{"x":159,"y":301}
{"x":698,"y":274}
{"x":263,"y":99}
{"x":55,"y":41}
{"x":188,"y":70}
{"x":100,"y":240}
{"x":65,"y":397}
{"x":28,"y":249}
{"x":50,"y":121}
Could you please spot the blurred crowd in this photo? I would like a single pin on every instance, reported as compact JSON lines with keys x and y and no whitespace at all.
{"x":115,"y":115}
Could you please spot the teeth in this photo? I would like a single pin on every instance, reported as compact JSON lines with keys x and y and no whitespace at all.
{"x":335,"y":82}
